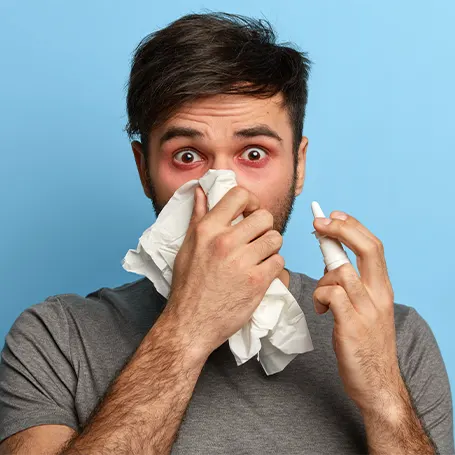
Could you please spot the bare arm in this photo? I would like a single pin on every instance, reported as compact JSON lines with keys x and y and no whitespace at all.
{"x":395,"y":428}
{"x":42,"y":439}
{"x":221,"y":274}
{"x":219,"y":280}
{"x":143,"y":409}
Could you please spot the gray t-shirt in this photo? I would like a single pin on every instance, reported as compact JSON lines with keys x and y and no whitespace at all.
{"x":61,"y":355}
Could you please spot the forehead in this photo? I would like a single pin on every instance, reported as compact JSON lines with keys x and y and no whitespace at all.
{"x":231,"y":111}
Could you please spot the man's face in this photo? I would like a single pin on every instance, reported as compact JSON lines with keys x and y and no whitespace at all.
{"x":250,"y":136}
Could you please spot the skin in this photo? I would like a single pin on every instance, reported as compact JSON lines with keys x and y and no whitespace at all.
{"x":364,"y":339}
{"x":362,"y":304}
{"x":364,"y":333}
{"x":218,"y":117}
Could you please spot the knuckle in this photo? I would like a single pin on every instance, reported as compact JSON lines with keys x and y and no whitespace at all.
{"x":344,"y":271}
{"x":338,"y":293}
{"x":275,"y":238}
{"x":223,"y":244}
{"x":202,"y":230}
{"x":240,"y":192}
{"x":346,"y":274}
{"x":265,"y":216}
{"x":236,"y":262}
{"x":375,"y":245}
{"x":370,"y":247}
{"x":269,"y":218}
{"x":317,"y":294}
{"x":339,"y":226}
{"x":279,"y":261}
{"x":254,"y":279}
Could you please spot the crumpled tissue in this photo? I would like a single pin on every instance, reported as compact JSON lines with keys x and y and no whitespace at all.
{"x":277,"y":330}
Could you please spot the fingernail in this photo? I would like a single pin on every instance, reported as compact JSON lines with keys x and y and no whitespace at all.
{"x":324,"y":221}
{"x":339,"y":215}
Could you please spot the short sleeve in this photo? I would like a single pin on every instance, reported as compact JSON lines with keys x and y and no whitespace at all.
{"x":37,"y":379}
{"x":426,"y":377}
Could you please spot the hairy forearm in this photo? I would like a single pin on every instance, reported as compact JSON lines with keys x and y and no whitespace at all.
{"x":393,"y":427}
{"x":142,"y":411}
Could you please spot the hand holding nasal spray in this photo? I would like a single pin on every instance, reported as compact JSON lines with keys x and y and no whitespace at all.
{"x":332,"y":251}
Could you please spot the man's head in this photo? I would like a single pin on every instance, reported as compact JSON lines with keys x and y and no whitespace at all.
{"x":214,"y":91}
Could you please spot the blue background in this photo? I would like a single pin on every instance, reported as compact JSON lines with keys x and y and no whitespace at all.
{"x":379,"y":122}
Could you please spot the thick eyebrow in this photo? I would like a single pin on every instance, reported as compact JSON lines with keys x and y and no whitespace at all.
{"x":253,"y":131}
{"x":258,"y":130}
{"x":179,"y":131}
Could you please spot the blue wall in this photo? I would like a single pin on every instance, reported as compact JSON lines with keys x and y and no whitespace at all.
{"x":379,"y":123}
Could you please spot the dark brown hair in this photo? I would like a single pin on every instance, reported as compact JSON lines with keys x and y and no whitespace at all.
{"x":207,"y":54}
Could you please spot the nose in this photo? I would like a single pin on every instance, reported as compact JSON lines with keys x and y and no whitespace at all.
{"x":222,"y":162}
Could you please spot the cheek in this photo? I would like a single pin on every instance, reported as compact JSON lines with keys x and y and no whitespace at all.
{"x":275,"y":202}
{"x":167,"y":180}
{"x":270,"y":186}
{"x":276,"y":176}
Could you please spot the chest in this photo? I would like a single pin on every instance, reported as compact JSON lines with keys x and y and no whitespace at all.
{"x":242,"y":411}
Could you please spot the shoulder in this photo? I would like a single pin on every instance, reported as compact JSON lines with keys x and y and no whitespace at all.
{"x":57,"y":312}
{"x":413,"y":333}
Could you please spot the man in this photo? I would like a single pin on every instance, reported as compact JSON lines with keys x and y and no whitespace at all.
{"x":125,"y":371}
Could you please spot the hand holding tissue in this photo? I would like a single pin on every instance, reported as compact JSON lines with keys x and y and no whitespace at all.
{"x":277,"y":330}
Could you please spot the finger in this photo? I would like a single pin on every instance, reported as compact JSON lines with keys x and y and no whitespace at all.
{"x":269,"y":269}
{"x":335,"y":299}
{"x":235,"y":202}
{"x":347,"y":277}
{"x":378,"y":266}
{"x":253,"y":226}
{"x":337,"y":214}
{"x":199,"y":207}
{"x":263,"y":247}
{"x":367,"y":248}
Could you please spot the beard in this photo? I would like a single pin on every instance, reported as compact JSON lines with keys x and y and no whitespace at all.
{"x":281,"y":210}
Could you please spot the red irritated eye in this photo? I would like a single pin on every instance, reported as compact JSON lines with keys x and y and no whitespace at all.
{"x":254,"y":154}
{"x":187,"y":157}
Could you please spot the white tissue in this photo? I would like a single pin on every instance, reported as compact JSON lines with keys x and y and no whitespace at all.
{"x":277,"y":330}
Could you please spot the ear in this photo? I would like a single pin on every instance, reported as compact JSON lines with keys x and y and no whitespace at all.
{"x":141,"y":166}
{"x":301,"y":165}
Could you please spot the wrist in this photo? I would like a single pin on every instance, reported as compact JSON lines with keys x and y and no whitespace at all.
{"x":181,"y":336}
{"x":389,"y":404}
{"x":393,"y":426}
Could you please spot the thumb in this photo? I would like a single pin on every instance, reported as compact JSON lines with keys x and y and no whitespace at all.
{"x":200,"y":206}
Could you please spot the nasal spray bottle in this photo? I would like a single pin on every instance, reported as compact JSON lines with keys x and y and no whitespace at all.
{"x":332,"y":251}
